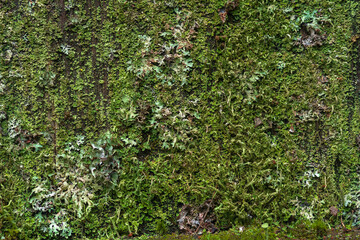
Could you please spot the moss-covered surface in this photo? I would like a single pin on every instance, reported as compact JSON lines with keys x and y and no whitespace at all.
{"x":117,"y":114}
{"x":309,"y":231}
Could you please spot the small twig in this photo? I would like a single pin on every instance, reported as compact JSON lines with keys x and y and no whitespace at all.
{"x":342,"y":222}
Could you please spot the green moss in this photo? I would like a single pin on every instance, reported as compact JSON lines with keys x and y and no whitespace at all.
{"x":188,"y":100}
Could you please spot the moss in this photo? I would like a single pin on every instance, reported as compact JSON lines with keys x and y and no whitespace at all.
{"x":184,"y":101}
{"x":319,"y":227}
